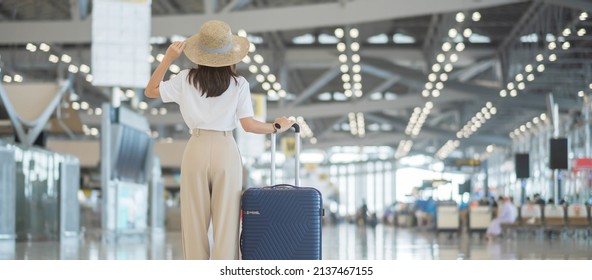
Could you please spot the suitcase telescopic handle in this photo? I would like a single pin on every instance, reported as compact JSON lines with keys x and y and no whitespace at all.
{"x":296,"y":128}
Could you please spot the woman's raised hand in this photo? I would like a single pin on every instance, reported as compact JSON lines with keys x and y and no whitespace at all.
{"x":174,"y":51}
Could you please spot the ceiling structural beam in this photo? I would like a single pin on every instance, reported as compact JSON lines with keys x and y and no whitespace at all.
{"x":284,"y":18}
{"x":329,"y":128}
{"x":574,"y":4}
{"x":392,"y":139}
{"x":475,"y":92}
{"x":471,"y":71}
{"x":316,"y":86}
{"x":382,"y":87}
{"x":528,"y":18}
{"x":75,"y":10}
{"x":428,"y":41}
{"x":210,"y":6}
{"x":233,"y":6}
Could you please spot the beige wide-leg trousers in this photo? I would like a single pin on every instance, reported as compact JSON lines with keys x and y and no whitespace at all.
{"x":211,"y":179}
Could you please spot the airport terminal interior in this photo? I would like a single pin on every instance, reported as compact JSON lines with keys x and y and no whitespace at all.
{"x":424,"y":124}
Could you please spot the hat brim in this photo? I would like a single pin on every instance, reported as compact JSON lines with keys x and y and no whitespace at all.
{"x":240,"y":48}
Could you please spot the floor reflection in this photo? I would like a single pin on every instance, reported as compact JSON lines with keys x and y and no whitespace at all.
{"x":340,"y":242}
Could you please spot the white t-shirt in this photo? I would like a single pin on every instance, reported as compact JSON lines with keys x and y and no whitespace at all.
{"x":219,"y":113}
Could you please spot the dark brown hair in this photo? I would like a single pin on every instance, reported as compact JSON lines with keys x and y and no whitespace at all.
{"x":212,"y":81}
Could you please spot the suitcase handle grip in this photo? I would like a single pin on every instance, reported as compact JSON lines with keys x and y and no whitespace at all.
{"x":296,"y":156}
{"x":282,"y":185}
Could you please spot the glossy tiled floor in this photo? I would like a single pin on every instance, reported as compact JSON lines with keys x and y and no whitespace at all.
{"x":344,"y":241}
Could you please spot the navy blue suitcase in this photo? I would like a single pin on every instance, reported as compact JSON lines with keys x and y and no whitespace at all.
{"x":281,"y":222}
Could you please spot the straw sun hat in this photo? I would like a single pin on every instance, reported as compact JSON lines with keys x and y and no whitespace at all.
{"x":215,"y":46}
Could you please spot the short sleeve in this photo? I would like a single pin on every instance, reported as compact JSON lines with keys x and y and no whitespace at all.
{"x":245,"y":105}
{"x":170,"y":91}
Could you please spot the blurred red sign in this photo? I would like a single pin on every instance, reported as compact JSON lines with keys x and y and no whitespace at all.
{"x":582,"y":164}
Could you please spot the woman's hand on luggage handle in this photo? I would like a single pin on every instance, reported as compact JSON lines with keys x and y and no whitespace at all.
{"x":284,"y":123}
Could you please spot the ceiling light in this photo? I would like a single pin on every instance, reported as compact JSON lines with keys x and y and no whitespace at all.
{"x":541,"y":68}
{"x":356,"y":68}
{"x":66,"y":58}
{"x":44,"y":47}
{"x":510,"y":86}
{"x":540,"y":57}
{"x":581,"y":93}
{"x":357,"y":78}
{"x":258,"y":58}
{"x":519,"y":77}
{"x":435,"y":93}
{"x":436,"y":67}
{"x":247,"y":59}
{"x":452,"y":32}
{"x":552,"y":45}
{"x":440,"y":57}
{"x":446,"y":46}
{"x":513,"y":93}
{"x":443,"y":77}
{"x":271,"y":78}
{"x":348,"y":92}
{"x":174,"y":68}
{"x":342,"y":58}
{"x":425,"y":93}
{"x":18,"y":78}
{"x":476,"y":16}
{"x":565,"y":45}
{"x":429,"y":85}
{"x":355,"y":58}
{"x":460,"y":46}
{"x":503,"y":93}
{"x":528,"y":68}
{"x":581,"y":32}
{"x":252,"y":48}
{"x":339,"y":33}
{"x":460,"y":17}
{"x":552,"y":57}
{"x":53,"y":58}
{"x":453,"y":58}
{"x":439,"y":85}
{"x":344,"y":68}
{"x":467,"y":33}
{"x":277,"y":86}
{"x":521,"y":86}
{"x":265,"y":69}
{"x":84,"y":68}
{"x":260,"y":78}
{"x":341,"y":46}
{"x":30,"y":47}
{"x":566,"y":32}
{"x":266,"y":86}
{"x":130,"y":93}
{"x":432,"y":77}
{"x":355,"y":46}
{"x":583,"y":16}
{"x":7,"y":79}
{"x":345,"y":78}
{"x":73,"y":68}
{"x":530,"y":77}
{"x":253,"y":69}
{"x":89,"y":78}
{"x":354,"y":33}
{"x":448,"y":67}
